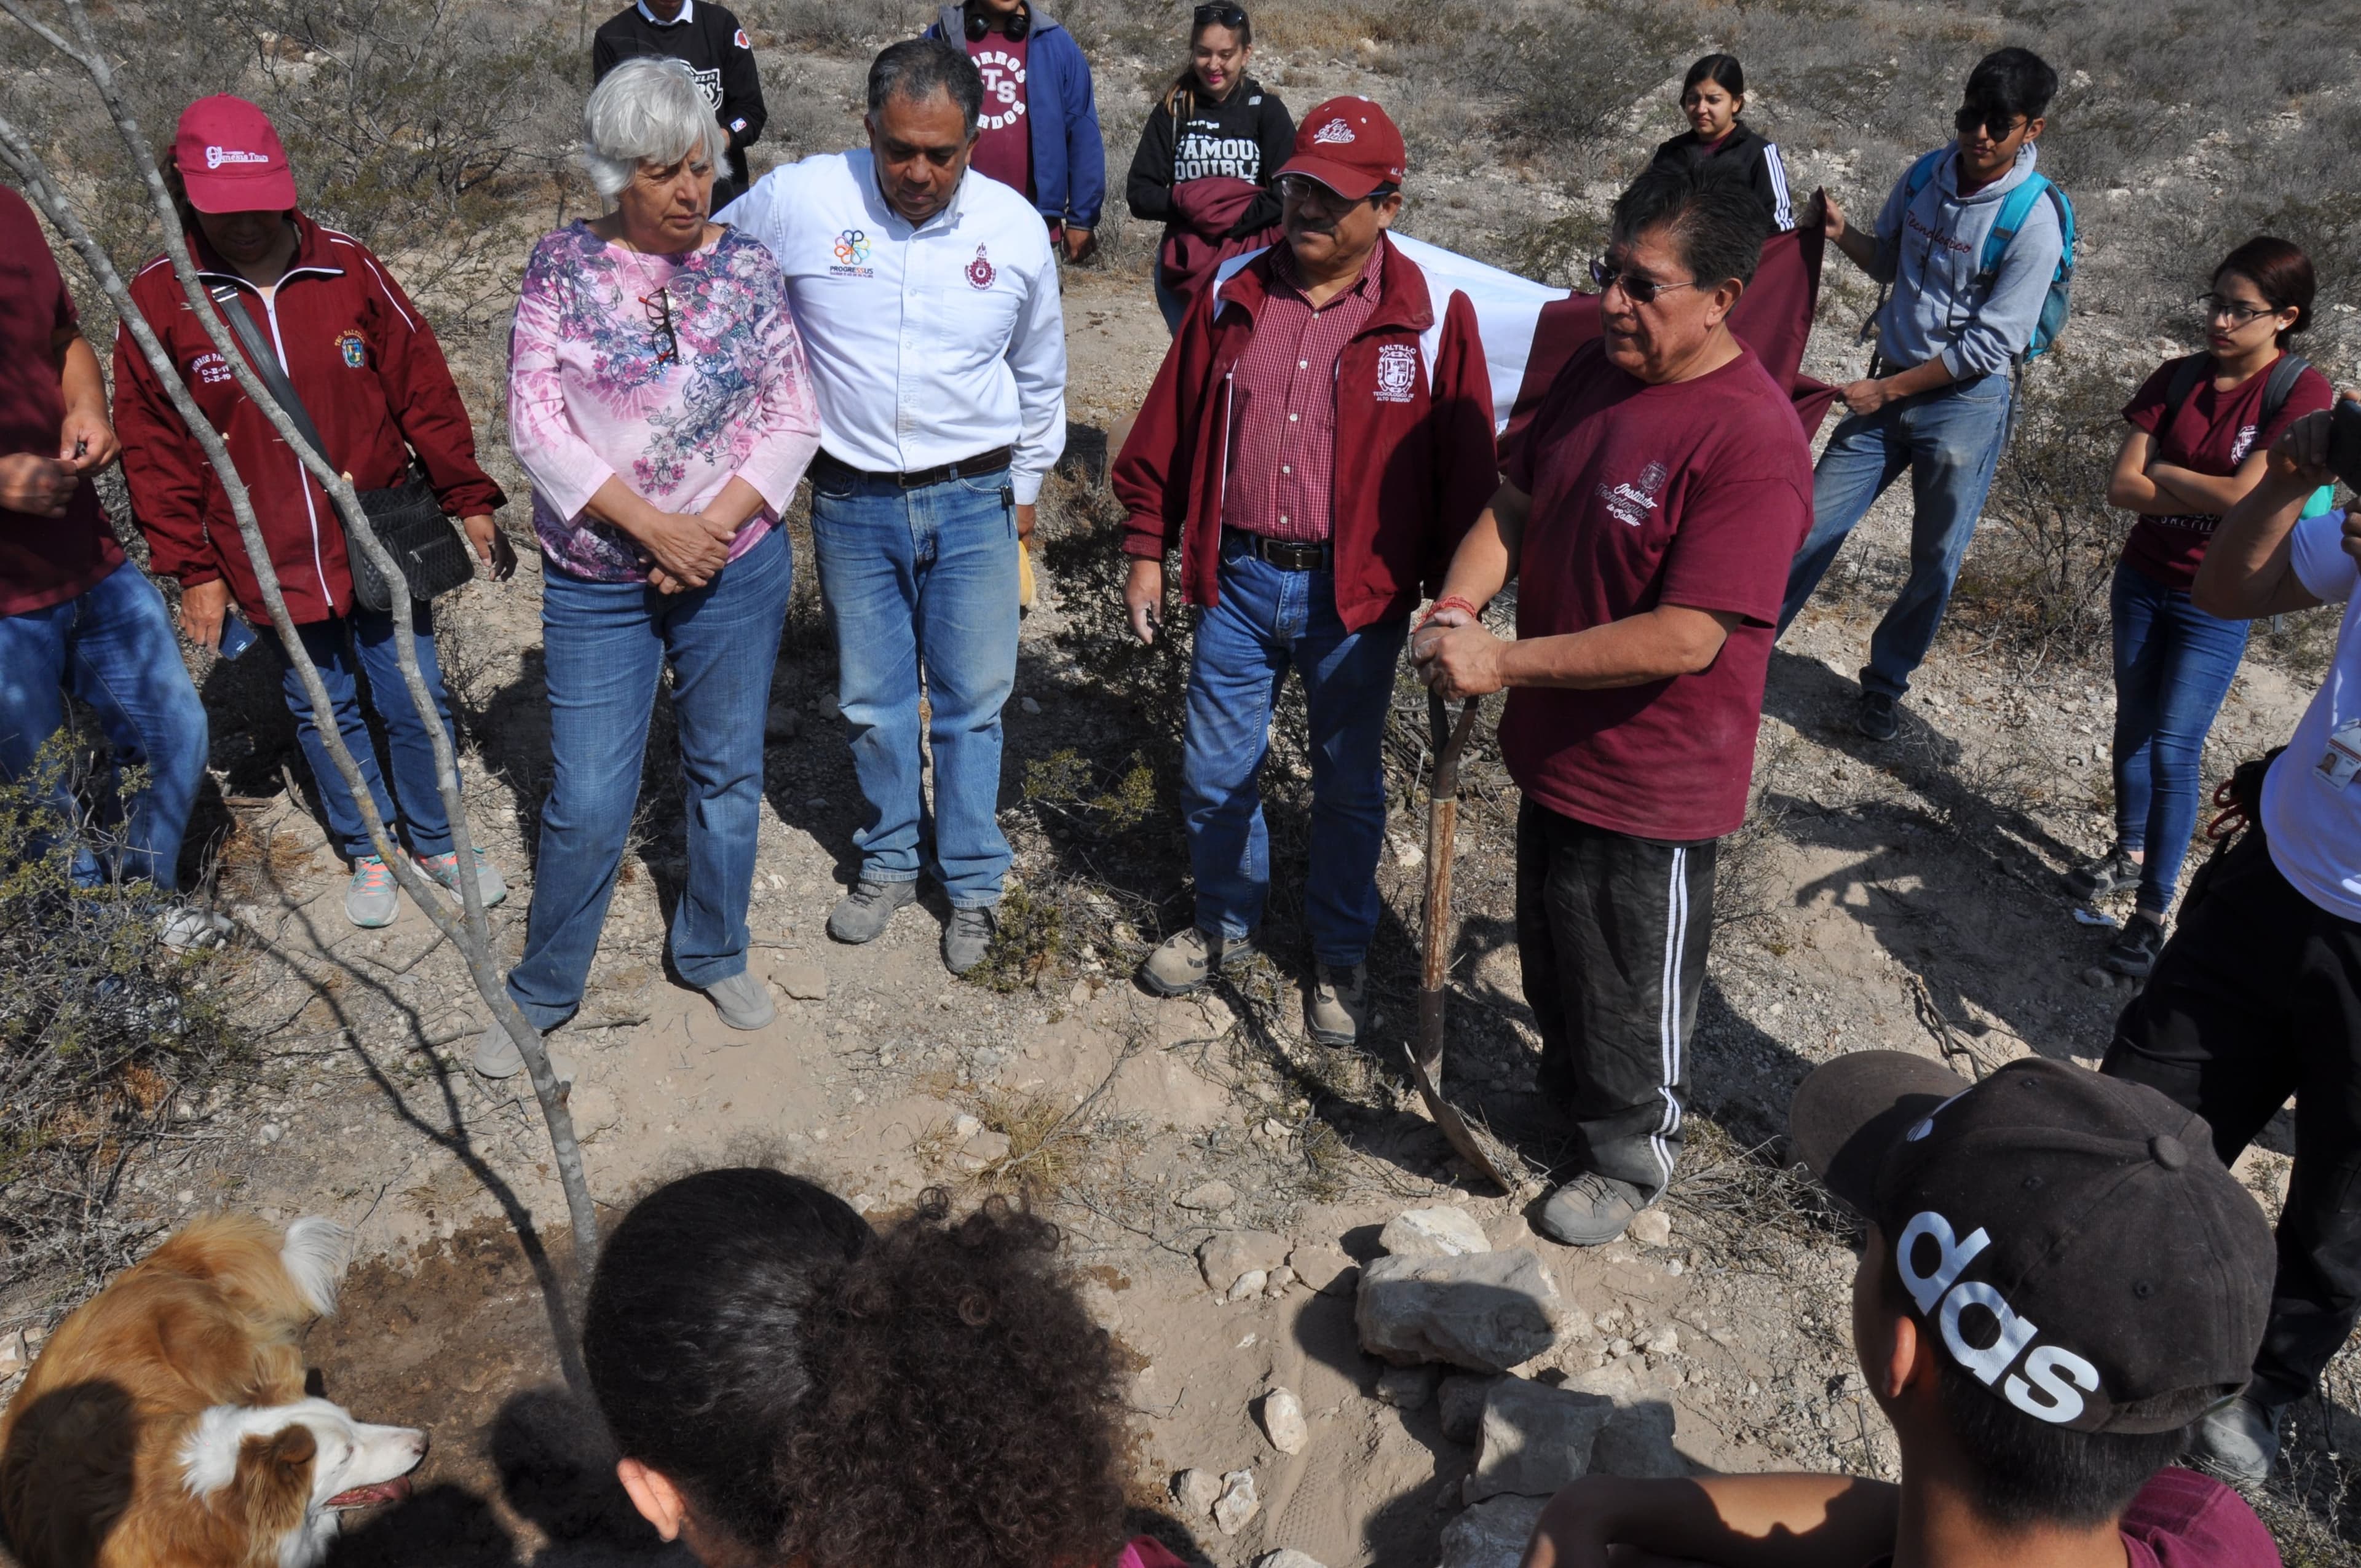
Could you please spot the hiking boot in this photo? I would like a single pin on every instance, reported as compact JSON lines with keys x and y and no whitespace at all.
{"x":968,"y":937}
{"x":2239,"y":1441}
{"x":1336,"y":1006}
{"x":1879,"y":716}
{"x":444,"y":869}
{"x":742,"y":1002}
{"x":1590,"y":1211}
{"x":2113,"y":872}
{"x":2134,"y":952}
{"x":1188,"y":958}
{"x":187,"y":930}
{"x":862,"y":914}
{"x":372,"y":900}
{"x":496,"y":1056}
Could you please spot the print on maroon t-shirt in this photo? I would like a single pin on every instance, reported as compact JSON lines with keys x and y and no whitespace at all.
{"x":1004,"y":140}
{"x":43,"y":559}
{"x":1694,"y":493}
{"x":2212,"y":434}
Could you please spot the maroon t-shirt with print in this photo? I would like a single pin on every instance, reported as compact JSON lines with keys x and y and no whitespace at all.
{"x":2214,"y":433}
{"x":1004,"y":140}
{"x":2182,"y":1520}
{"x":43,"y":559}
{"x":1694,"y":493}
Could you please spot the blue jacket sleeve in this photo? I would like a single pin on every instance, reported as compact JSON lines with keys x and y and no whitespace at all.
{"x":1085,"y":149}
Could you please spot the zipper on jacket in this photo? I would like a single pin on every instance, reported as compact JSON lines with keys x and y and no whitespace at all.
{"x":303,"y":475}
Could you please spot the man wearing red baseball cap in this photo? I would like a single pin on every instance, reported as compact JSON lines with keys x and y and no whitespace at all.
{"x":1317,"y":441}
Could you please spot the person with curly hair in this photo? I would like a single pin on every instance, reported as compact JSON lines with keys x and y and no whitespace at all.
{"x":786,"y":1385}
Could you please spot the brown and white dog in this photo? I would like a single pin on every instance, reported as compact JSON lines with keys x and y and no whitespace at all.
{"x":165,"y":1423}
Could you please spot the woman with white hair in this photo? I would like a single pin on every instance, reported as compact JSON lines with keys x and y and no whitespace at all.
{"x":658,"y":400}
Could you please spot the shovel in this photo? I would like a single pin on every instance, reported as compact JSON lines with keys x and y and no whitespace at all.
{"x":1435,"y":968}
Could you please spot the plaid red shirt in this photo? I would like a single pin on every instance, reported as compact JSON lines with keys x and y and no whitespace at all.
{"x":1283,"y":404}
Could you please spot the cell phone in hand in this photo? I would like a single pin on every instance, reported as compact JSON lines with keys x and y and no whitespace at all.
{"x":237,"y":637}
{"x":2345,"y":441}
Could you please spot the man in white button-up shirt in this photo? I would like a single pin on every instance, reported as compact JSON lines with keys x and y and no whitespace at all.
{"x":927,"y":303}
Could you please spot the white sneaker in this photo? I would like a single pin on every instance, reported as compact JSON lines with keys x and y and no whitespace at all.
{"x":496,"y":1056}
{"x":188,"y":930}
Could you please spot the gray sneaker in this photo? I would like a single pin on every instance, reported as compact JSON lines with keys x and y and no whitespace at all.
{"x":372,"y":900}
{"x":1336,"y":1006}
{"x":862,"y":914}
{"x":968,"y":937}
{"x":188,"y":929}
{"x":496,"y":1056}
{"x":742,"y":1002}
{"x":1189,"y":958}
{"x":490,"y":886}
{"x":2239,"y":1441}
{"x":1590,"y":1211}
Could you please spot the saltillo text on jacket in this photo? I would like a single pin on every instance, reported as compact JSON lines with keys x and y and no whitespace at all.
{"x":373,"y":378}
{"x":1414,"y":456}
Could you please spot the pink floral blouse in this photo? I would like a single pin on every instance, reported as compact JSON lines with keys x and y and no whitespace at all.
{"x":675,"y":373}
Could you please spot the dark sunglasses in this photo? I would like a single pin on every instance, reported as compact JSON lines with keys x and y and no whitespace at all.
{"x":1998,"y":123}
{"x":1230,"y":16}
{"x":658,"y":310}
{"x":1639,"y":290}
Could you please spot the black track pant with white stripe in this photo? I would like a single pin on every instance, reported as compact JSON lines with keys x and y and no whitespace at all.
{"x":1611,"y":932}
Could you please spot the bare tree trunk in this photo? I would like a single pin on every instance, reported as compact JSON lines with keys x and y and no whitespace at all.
{"x":470,"y":934}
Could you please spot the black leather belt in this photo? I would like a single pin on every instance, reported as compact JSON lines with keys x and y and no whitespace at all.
{"x":1287,"y":554}
{"x":992,"y":462}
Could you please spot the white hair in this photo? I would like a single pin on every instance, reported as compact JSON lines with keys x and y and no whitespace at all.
{"x":648,"y":110}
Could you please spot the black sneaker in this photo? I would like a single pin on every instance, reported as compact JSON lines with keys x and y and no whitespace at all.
{"x":2113,"y":872}
{"x":2134,"y":951}
{"x":1880,"y":716}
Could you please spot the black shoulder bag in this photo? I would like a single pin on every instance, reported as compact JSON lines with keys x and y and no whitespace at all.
{"x":408,"y":520}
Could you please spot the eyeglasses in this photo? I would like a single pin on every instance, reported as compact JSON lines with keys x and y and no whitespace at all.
{"x":658,"y":310}
{"x":2237,"y":312}
{"x":1230,"y":16}
{"x":1998,"y":123}
{"x":1306,"y":192}
{"x":1639,"y":290}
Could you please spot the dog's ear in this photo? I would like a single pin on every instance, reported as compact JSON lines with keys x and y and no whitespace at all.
{"x":292,"y":1447}
{"x":274,"y":1479}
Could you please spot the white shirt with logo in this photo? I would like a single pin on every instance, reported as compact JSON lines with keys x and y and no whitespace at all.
{"x":2312,"y":797}
{"x":927,"y":345}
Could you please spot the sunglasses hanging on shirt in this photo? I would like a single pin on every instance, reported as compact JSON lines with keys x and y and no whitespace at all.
{"x":658,"y":310}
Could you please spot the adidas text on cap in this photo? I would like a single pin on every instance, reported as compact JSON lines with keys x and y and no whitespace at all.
{"x":1350,"y":145}
{"x":230,"y":157}
{"x":2069,"y":1239}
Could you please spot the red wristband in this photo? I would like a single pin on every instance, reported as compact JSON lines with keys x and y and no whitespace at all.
{"x":1454,"y":602}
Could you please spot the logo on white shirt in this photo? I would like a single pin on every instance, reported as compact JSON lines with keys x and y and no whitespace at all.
{"x":1335,"y":133}
{"x":1631,"y":503}
{"x":218,"y":156}
{"x":980,"y":272}
{"x":1004,"y":85}
{"x":1397,"y":372}
{"x":852,"y":251}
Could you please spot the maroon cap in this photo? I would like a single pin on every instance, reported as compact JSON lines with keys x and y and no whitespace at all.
{"x":1350,"y":145}
{"x":230,"y":157}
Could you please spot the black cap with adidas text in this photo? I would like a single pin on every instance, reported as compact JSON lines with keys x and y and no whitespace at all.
{"x":2070,"y":1239}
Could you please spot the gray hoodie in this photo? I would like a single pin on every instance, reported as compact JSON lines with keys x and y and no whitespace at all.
{"x":1930,"y":248}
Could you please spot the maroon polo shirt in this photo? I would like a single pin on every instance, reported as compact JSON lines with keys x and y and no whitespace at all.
{"x":43,"y":559}
{"x":1283,"y":404}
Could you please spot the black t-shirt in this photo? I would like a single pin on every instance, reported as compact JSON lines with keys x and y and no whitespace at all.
{"x":1245,"y":136}
{"x":709,"y":37}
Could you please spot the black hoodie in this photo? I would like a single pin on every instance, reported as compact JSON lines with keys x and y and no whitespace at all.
{"x":1247,"y":136}
{"x":1744,"y":157}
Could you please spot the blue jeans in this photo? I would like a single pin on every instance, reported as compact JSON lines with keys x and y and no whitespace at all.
{"x":361,"y":644}
{"x":112,"y":646}
{"x":2173,"y":666}
{"x":1950,"y":441}
{"x":606,"y":646}
{"x":923,"y":583}
{"x":1268,"y":621}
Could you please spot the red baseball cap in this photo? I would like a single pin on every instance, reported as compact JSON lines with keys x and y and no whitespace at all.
{"x":1350,"y":145}
{"x":230,"y":157}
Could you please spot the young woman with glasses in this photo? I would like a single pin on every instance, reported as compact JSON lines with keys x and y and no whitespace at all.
{"x":2202,"y":427}
{"x":1205,"y":159}
{"x":1713,"y":95}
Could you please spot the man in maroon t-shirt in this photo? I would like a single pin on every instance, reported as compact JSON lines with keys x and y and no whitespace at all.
{"x":74,"y":615}
{"x":1648,"y":517}
{"x":2058,"y":1278}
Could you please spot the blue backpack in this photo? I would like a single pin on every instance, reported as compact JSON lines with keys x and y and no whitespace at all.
{"x":2015,"y":208}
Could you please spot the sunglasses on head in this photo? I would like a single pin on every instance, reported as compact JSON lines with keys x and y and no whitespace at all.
{"x":1639,"y":290}
{"x":1230,"y":16}
{"x":1998,"y":123}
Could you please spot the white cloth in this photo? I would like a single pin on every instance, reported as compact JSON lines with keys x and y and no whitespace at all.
{"x":2312,"y":826}
{"x":687,"y":11}
{"x":927,"y":345}
{"x":1507,"y":312}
